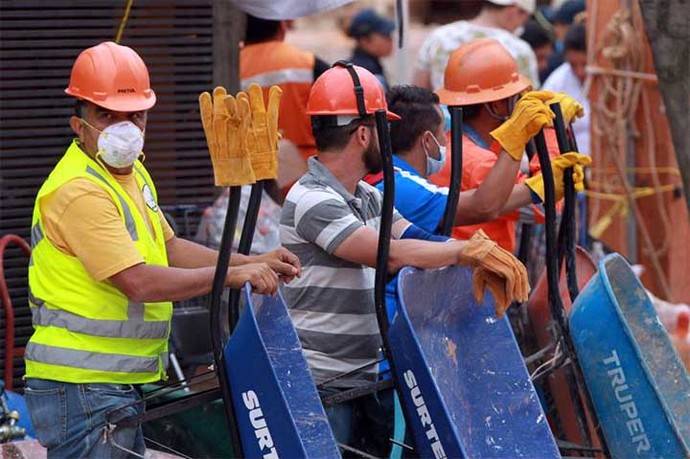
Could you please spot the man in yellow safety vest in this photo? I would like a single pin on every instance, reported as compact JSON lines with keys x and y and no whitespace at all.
{"x":106,"y":267}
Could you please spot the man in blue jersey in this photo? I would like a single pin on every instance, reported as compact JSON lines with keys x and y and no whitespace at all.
{"x":419,"y":146}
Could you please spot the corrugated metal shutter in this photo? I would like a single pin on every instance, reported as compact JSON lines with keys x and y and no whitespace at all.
{"x":38,"y":43}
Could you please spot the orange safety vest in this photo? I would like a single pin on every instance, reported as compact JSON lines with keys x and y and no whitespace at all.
{"x":476,"y":164}
{"x":282,"y":64}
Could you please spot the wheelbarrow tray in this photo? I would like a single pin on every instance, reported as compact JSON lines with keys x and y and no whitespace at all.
{"x":465,"y":387}
{"x":277,"y":406}
{"x":639,"y":386}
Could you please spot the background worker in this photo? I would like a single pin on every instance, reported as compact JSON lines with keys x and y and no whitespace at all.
{"x":483,"y":78}
{"x":419,"y":146}
{"x":106,"y":267}
{"x":373,"y":37}
{"x":541,"y":41}
{"x":330,"y":220}
{"x":567,"y":14}
{"x":266,"y":59}
{"x":498,"y":19}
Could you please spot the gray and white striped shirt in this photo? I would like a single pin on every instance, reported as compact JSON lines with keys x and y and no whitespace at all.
{"x":332,"y":303}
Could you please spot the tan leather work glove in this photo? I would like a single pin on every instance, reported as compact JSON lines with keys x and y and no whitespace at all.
{"x":559,"y":164}
{"x":226,"y":123}
{"x":263,"y":136}
{"x":530,"y":115}
{"x":496,"y":269}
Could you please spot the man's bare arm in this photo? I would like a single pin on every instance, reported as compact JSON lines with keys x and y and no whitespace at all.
{"x":361,"y":247}
{"x":488,"y":201}
{"x":144,"y":283}
{"x":187,"y":254}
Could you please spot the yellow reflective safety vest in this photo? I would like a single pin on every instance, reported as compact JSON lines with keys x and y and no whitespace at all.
{"x":87,"y":331}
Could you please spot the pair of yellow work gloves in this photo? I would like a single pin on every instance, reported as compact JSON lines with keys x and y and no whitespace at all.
{"x":242,"y":134}
{"x":495,"y":268}
{"x":531,"y":115}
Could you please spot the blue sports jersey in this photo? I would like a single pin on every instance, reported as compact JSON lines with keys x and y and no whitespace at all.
{"x":418,"y":200}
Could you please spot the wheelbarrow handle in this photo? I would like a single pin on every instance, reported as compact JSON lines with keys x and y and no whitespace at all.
{"x":455,"y":170}
{"x":580,"y":391}
{"x":218,"y":337}
{"x":566,"y":237}
{"x":385,"y":225}
{"x":245,"y":246}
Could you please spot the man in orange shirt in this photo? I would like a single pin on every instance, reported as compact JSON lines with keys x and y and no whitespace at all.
{"x":267,"y":60}
{"x":483,"y":78}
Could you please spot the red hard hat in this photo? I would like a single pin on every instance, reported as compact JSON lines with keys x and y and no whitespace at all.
{"x":347,"y":89}
{"x":112,"y":76}
{"x":481,"y":71}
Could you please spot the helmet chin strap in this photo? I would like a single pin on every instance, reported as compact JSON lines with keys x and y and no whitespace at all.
{"x":511,"y":106}
{"x":495,"y":115}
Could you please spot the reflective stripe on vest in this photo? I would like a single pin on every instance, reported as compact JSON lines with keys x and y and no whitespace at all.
{"x":282,"y":76}
{"x":134,"y":327}
{"x":129,"y":218}
{"x":99,"y":361}
{"x":36,"y":235}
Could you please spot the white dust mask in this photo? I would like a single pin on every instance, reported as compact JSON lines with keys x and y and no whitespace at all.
{"x":120,"y":144}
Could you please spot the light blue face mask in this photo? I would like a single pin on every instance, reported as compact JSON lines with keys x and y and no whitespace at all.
{"x":446,"y":118}
{"x":433,"y":165}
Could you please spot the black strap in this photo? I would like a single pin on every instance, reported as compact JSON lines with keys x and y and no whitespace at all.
{"x":359,"y":90}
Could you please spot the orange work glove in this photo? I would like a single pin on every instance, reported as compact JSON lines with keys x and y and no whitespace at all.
{"x":226,"y":123}
{"x":496,"y":269}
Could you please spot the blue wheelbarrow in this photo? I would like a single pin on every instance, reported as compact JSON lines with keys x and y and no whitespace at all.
{"x":639,"y":386}
{"x":466,"y":391}
{"x":277,"y":408}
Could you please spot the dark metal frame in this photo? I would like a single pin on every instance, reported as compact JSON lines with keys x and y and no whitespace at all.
{"x":455,"y":172}
{"x":579,"y":392}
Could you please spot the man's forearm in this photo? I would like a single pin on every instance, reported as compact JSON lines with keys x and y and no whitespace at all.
{"x":183,"y":253}
{"x":519,"y":197}
{"x":149,"y":283}
{"x":423,"y":254}
{"x":486,"y":202}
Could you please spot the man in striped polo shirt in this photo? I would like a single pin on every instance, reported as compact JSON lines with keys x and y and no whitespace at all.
{"x":330,"y":220}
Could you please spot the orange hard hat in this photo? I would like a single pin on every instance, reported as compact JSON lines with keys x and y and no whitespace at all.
{"x":481,"y":71}
{"x":347,"y":90}
{"x":112,"y":76}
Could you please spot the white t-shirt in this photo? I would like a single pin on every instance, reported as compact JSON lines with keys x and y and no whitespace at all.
{"x":434,"y":53}
{"x":563,"y":79}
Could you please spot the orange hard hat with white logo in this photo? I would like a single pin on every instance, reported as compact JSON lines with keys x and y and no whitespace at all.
{"x":112,"y":76}
{"x":481,"y":71}
{"x":348,"y":91}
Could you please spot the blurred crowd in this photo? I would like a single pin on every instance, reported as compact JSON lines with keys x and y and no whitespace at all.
{"x":548,"y":44}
